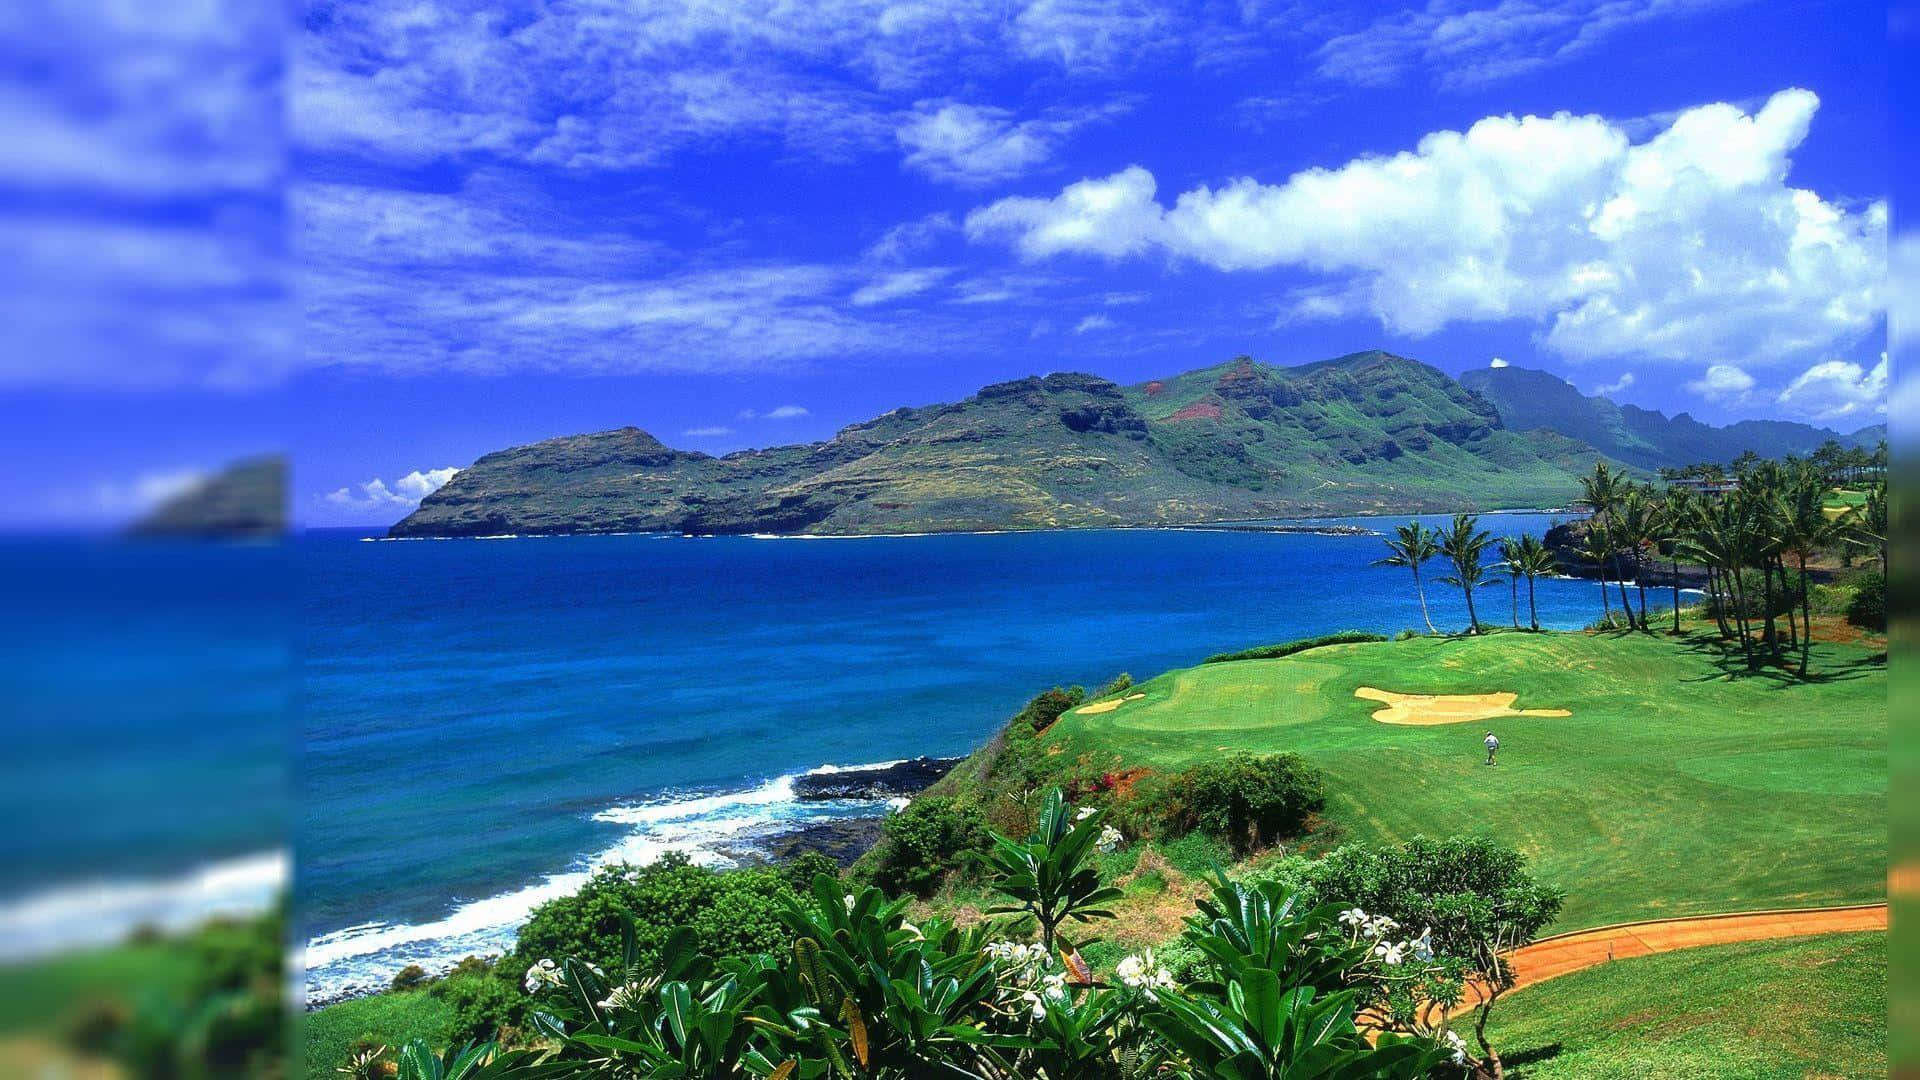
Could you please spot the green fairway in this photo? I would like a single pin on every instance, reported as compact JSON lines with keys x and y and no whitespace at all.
{"x":1673,"y":788}
{"x":1757,"y":1011}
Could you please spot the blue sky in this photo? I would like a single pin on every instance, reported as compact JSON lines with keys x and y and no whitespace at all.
{"x":739,"y":224}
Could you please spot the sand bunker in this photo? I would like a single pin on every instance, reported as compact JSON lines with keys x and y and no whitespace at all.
{"x":1423,"y":709}
{"x":1106,"y":706}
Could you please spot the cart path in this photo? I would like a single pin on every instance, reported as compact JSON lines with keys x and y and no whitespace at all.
{"x":1562,"y":954}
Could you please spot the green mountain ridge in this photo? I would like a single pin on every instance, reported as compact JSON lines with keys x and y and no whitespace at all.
{"x":1367,"y":432}
{"x":1530,"y":400}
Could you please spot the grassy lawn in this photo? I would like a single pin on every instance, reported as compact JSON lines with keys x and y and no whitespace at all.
{"x":40,"y":996}
{"x":1810,"y":1007}
{"x":1675,"y":787}
{"x":392,"y":1019}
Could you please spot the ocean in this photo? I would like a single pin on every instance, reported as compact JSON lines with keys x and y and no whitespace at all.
{"x":483,"y":721}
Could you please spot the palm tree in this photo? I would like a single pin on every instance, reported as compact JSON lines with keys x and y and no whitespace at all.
{"x":1602,"y":489}
{"x":1801,"y":528}
{"x":1634,"y":522}
{"x":1595,"y":547}
{"x":1868,"y":525}
{"x":1463,"y":545}
{"x":1677,"y":515}
{"x":1513,"y":564}
{"x":1536,"y":558}
{"x":1411,"y":545}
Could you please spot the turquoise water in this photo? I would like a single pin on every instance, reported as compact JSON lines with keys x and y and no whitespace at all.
{"x":483,"y":720}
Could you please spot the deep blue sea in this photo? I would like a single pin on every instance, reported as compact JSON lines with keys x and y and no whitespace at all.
{"x":482,"y":721}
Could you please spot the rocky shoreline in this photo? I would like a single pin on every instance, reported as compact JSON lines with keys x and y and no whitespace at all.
{"x":891,"y":780}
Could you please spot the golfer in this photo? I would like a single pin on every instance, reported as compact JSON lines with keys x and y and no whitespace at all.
{"x":1493,"y":746}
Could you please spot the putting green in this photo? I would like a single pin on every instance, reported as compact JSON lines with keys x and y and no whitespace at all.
{"x":1673,"y":788}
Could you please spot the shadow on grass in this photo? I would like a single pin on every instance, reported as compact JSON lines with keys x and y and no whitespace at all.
{"x":1729,"y":661}
{"x":1531,"y":1057}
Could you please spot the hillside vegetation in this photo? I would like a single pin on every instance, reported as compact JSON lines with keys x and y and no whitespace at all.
{"x":1366,"y":432}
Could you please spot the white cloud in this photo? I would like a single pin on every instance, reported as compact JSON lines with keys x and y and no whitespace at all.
{"x":976,"y":145}
{"x":403,"y":494}
{"x":708,"y":432}
{"x":1497,"y":362}
{"x":912,"y":237}
{"x":1903,"y":276}
{"x":1723,"y":384}
{"x":1616,"y":386}
{"x":972,"y":144}
{"x":1092,"y":323}
{"x":1464,"y":46}
{"x":1832,"y":389}
{"x":1688,"y":243}
{"x":787,"y":412}
{"x":899,"y":285}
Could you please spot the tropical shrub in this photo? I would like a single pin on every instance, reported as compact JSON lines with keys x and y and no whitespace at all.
{"x":926,"y":840}
{"x":1288,"y":648}
{"x":1471,"y":896}
{"x":484,"y":1007}
{"x":863,"y":992}
{"x":1868,"y":607}
{"x":734,"y":911}
{"x":409,"y":978}
{"x":1046,"y":706}
{"x":1247,"y":800}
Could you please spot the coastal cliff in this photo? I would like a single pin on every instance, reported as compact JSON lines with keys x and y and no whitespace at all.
{"x":1365,"y":433}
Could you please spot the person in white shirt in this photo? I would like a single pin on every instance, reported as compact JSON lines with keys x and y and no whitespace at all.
{"x":1493,"y":747}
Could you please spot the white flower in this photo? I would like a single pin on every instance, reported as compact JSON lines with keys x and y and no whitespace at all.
{"x":1353,"y":917}
{"x":623,"y":997}
{"x":542,"y":975}
{"x":849,"y":901}
{"x":1458,"y":1045}
{"x":1110,"y":839}
{"x":1054,"y":985}
{"x":1381,"y":926}
{"x":1390,"y":952}
{"x":1036,"y":1003}
{"x":1084,"y":813}
{"x":1423,"y":946}
{"x":1143,"y":972}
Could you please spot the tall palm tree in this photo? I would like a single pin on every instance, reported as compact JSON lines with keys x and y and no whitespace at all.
{"x":1802,"y":528}
{"x":1463,"y":545}
{"x":1536,"y":558}
{"x":1677,"y":515}
{"x":1602,"y":489}
{"x":1411,"y":545}
{"x":1596,"y":546}
{"x":1634,"y":527}
{"x":1513,"y":564}
{"x":1868,"y":525}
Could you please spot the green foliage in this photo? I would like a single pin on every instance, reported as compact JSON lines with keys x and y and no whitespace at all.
{"x":735,"y":912}
{"x":862,"y":993}
{"x":1117,"y":685}
{"x":1474,"y":894}
{"x":481,"y":1008}
{"x":1250,"y":801}
{"x":1868,"y":607}
{"x":1288,"y":648}
{"x":923,"y":842}
{"x":408,"y":978}
{"x":1046,"y":706}
{"x":1051,"y":875}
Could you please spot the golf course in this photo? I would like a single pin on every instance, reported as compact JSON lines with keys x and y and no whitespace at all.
{"x":1675,"y":784}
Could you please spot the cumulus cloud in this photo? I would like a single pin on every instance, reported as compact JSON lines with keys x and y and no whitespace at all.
{"x":403,"y":494}
{"x":1625,"y":380}
{"x":1832,"y":389}
{"x":1688,"y":243}
{"x":1723,"y":384}
{"x":1497,"y":362}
